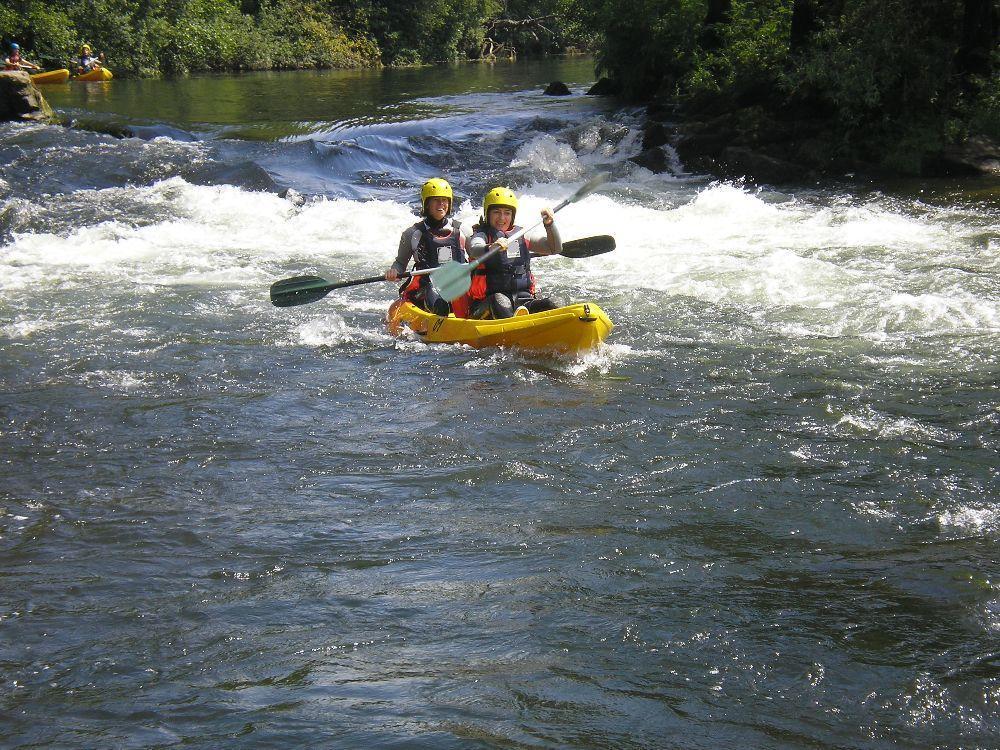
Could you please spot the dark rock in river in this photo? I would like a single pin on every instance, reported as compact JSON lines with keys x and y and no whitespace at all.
{"x":736,"y":161}
{"x":605,"y":87}
{"x":107,"y":127}
{"x":654,"y":159}
{"x":546,"y":124}
{"x":979,"y":155}
{"x":20,"y":100}
{"x":655,"y":134}
{"x":749,"y":143}
{"x":658,"y":111}
{"x":557,"y":88}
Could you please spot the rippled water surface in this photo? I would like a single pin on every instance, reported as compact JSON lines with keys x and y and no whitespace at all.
{"x":765,"y":514}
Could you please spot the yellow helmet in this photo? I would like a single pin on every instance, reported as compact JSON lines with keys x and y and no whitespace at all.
{"x":499,"y":196}
{"x":436,"y":188}
{"x":85,"y":48}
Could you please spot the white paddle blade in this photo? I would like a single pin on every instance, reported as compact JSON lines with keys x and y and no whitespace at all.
{"x":590,"y":185}
{"x":452,"y":279}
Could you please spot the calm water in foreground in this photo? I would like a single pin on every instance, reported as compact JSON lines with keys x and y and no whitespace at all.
{"x":764,"y":515}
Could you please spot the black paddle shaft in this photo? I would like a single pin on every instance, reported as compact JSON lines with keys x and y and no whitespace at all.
{"x":301,"y":290}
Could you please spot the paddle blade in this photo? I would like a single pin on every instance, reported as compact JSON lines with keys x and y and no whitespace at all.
{"x":591,"y":185}
{"x":299,"y":290}
{"x":588,"y":247}
{"x":453,"y":279}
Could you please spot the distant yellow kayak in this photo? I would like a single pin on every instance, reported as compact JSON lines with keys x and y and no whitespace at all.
{"x":97,"y":74}
{"x":51,"y":76}
{"x":572,"y":329}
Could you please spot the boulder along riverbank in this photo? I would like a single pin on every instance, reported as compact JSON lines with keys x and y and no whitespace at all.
{"x":21,"y":100}
{"x":760,"y":145}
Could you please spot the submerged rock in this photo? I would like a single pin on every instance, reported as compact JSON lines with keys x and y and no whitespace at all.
{"x":979,"y":155}
{"x":20,"y":100}
{"x":557,"y":88}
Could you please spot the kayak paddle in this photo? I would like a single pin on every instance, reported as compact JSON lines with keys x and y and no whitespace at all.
{"x":586,"y":247}
{"x":453,"y":279}
{"x":301,"y":290}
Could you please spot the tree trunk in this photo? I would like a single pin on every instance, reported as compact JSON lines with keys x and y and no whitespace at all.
{"x":718,"y":14}
{"x":979,"y":39}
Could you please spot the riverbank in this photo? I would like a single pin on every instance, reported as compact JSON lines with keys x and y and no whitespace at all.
{"x":754,"y":143}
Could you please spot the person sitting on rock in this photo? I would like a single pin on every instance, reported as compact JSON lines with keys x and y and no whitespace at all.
{"x":14,"y":61}
{"x":504,"y":282}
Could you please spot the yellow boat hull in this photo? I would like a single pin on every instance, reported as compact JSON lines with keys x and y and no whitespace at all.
{"x":51,"y":76}
{"x":569,"y":330}
{"x":97,"y":74}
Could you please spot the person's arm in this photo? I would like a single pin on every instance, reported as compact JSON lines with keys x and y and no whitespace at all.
{"x":477,"y":245}
{"x":553,"y":242}
{"x":403,"y":255}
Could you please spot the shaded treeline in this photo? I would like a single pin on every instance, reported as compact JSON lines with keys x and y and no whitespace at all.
{"x":891,"y":78}
{"x":884,"y":81}
{"x":175,"y":37}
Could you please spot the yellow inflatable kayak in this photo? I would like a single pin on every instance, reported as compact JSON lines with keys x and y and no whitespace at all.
{"x":569,"y":330}
{"x":97,"y":74}
{"x":51,"y":76}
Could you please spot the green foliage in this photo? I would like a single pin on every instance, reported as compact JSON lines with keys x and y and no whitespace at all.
{"x":411,"y":33}
{"x":649,"y":46}
{"x":297,"y":34}
{"x":886,"y":74}
{"x":177,"y":37}
{"x":883,"y":58}
{"x":45,"y":31}
{"x":747,"y":51}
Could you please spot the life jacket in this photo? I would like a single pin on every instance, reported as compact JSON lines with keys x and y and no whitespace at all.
{"x":507,"y":272}
{"x":13,"y":61}
{"x":431,"y":250}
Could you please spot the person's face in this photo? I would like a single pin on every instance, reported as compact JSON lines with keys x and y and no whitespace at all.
{"x":501,"y":217}
{"x":437,"y":208}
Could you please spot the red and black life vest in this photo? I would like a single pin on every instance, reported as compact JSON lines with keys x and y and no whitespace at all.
{"x":432,"y":248}
{"x":508,"y":271}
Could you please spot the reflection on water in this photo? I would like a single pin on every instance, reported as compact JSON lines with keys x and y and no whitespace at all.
{"x":272,"y":105}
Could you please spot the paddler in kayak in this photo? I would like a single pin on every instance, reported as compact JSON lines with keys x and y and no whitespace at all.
{"x":434,"y":240}
{"x":504,"y":285}
{"x":14,"y":61}
{"x":87,"y":62}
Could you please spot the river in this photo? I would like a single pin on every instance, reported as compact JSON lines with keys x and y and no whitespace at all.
{"x":765,"y":514}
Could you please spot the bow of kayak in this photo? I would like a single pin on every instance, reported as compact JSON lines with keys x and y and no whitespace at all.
{"x":51,"y":76}
{"x":570,"y":330}
{"x":97,"y":74}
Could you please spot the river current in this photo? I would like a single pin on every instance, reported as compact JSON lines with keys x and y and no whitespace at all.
{"x":764,"y":514}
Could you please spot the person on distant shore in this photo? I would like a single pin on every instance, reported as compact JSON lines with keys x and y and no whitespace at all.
{"x":14,"y":61}
{"x":504,"y":282}
{"x":431,"y":242}
{"x":87,"y":61}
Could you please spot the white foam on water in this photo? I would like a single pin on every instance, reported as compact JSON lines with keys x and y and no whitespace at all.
{"x":25,"y":328}
{"x":600,"y":360}
{"x":548,"y":158}
{"x":333,"y":330}
{"x":222,"y":236}
{"x":118,"y":380}
{"x":868,"y":421}
{"x":970,"y":520}
{"x":869,"y":269}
